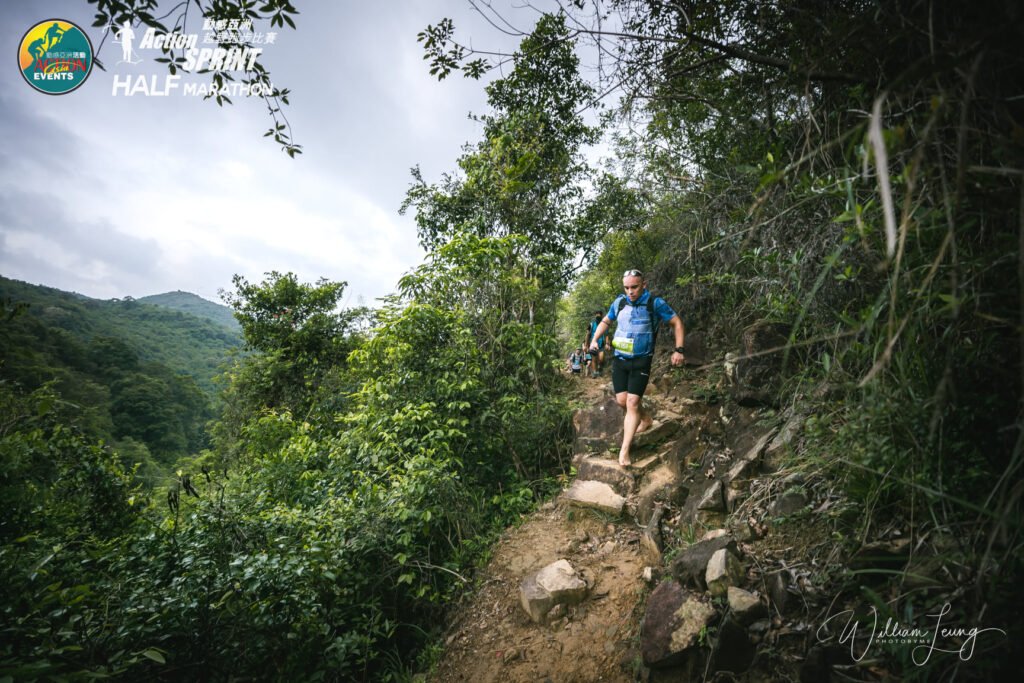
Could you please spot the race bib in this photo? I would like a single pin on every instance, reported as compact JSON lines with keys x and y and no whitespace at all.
{"x":623,"y":344}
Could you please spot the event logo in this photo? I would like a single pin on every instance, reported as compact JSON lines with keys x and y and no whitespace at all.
{"x":227,"y":46}
{"x":55,"y":56}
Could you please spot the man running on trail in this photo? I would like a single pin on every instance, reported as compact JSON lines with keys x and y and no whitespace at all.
{"x":598,"y":356}
{"x":575,"y":361}
{"x":638,"y":313}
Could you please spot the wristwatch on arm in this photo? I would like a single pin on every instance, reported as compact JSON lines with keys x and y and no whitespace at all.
{"x":680,"y":349}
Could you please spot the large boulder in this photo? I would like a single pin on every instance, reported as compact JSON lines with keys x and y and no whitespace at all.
{"x":672,"y":625}
{"x":757,"y":368}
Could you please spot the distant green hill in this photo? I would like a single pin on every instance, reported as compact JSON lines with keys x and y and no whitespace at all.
{"x":186,"y":302}
{"x":187,"y":343}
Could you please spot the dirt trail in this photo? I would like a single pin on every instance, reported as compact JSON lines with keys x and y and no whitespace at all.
{"x":493,"y":639}
{"x":715,"y":469}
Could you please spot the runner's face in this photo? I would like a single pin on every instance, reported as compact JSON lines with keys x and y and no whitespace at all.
{"x":634,"y":286}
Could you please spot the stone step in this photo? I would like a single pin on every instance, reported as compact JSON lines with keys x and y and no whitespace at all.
{"x":645,"y":465}
{"x":659,"y":432}
{"x":608,"y":471}
{"x":594,"y":494}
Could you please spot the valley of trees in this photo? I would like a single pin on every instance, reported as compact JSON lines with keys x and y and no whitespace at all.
{"x":850,"y":170}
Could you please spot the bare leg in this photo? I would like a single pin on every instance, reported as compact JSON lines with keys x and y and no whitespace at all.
{"x":629,"y":424}
{"x":646,"y":420}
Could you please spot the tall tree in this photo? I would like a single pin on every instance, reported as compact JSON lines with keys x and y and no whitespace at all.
{"x":524,"y":176}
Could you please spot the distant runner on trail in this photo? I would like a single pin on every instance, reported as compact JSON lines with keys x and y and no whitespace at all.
{"x":575,"y":361}
{"x":639,"y":314}
{"x":597,"y":362}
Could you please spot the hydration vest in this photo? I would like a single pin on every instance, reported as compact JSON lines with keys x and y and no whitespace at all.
{"x":636,"y":330}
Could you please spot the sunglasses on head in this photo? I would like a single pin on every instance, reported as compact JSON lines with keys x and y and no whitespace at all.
{"x":632,"y":273}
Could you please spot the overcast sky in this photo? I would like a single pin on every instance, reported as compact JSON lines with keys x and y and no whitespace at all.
{"x":112,"y":195}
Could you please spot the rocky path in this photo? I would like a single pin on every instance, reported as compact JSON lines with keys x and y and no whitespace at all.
{"x":495,"y":639}
{"x":582,"y":591}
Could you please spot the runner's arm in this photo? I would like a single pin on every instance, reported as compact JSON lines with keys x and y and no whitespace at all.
{"x":599,"y":332}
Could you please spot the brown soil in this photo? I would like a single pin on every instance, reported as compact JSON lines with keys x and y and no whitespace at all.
{"x":493,"y":639}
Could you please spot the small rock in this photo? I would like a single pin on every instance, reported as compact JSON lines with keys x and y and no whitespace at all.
{"x":712,"y":499}
{"x":714,"y":533}
{"x":794,"y":479}
{"x":662,"y":485}
{"x":690,"y":565}
{"x":742,"y":531}
{"x":785,"y":435}
{"x":557,"y":583}
{"x":694,"y":616}
{"x":608,"y":548}
{"x":648,"y":574}
{"x":510,"y":655}
{"x":562,"y":582}
{"x":724,"y":570}
{"x":760,"y":626}
{"x":535,"y":600}
{"x":788,"y":503}
{"x":746,"y":606}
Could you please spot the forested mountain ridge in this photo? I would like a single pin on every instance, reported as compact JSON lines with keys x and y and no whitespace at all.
{"x":137,"y":376}
{"x":188,"y":343}
{"x":186,"y":302}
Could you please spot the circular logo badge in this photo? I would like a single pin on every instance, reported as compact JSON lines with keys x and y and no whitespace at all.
{"x":55,"y":56}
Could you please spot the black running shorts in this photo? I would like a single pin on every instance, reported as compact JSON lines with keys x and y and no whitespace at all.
{"x":631,"y":374}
